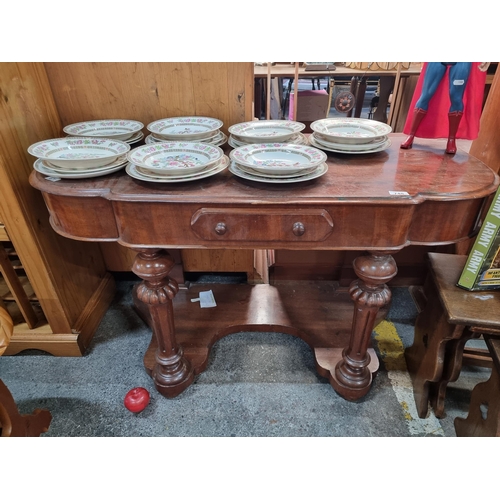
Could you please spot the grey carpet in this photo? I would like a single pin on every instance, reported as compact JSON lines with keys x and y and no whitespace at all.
{"x":256,"y":384}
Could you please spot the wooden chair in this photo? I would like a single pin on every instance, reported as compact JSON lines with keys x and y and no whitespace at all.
{"x":12,"y":423}
{"x":449,"y":317}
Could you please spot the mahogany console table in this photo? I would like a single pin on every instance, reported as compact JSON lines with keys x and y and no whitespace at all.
{"x":379,"y":203}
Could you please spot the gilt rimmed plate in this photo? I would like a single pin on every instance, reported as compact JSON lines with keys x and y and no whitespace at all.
{"x":40,"y":166}
{"x":351,"y":148}
{"x":381,"y":147}
{"x":217,"y":140}
{"x":278,"y":158}
{"x":175,"y":157}
{"x":68,"y":170}
{"x":131,"y":170}
{"x":350,"y":130}
{"x":146,"y":173}
{"x":84,"y":152}
{"x":275,"y":176}
{"x":296,"y":139}
{"x":135,"y":138}
{"x":185,"y":128}
{"x":266,"y":130}
{"x":107,"y":129}
{"x":320,"y":170}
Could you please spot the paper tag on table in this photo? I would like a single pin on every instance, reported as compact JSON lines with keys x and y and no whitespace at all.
{"x":206,"y":299}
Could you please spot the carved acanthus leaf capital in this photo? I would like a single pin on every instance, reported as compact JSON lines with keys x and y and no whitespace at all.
{"x":157,"y":294}
{"x":369,"y":296}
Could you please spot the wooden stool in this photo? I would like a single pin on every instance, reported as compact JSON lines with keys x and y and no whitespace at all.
{"x":450,"y":317}
{"x":483,"y":419}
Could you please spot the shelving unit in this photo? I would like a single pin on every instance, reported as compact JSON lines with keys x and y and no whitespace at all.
{"x":16,"y":289}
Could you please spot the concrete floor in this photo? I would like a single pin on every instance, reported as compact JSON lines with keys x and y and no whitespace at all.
{"x":256,"y":385}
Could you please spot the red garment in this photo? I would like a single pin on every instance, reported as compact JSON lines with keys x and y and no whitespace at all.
{"x":435,"y":123}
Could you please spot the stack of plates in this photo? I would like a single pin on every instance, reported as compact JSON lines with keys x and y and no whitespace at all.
{"x":278,"y":162}
{"x":79,"y":157}
{"x":129,"y":131}
{"x":350,"y":135}
{"x":175,"y":161}
{"x":187,"y":129}
{"x":262,"y":131}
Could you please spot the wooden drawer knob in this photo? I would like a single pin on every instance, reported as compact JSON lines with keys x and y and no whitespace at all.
{"x":298,"y":229}
{"x":220,"y":228}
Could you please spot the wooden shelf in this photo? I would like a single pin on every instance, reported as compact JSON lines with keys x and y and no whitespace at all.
{"x":17,"y":288}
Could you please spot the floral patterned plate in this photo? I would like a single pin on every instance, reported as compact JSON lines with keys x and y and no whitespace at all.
{"x":132,"y":170}
{"x":43,"y":168}
{"x":217,"y":140}
{"x":278,"y":158}
{"x":296,"y":139}
{"x":319,"y":143}
{"x":79,"y":152}
{"x":266,"y":130}
{"x":138,"y":136}
{"x":251,"y":171}
{"x":185,"y":128}
{"x":175,"y":157}
{"x":314,"y":174}
{"x":349,"y":130}
{"x":107,"y":129}
{"x":69,"y":170}
{"x":146,"y":173}
{"x":375,"y":149}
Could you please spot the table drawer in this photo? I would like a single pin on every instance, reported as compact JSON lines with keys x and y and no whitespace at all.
{"x":270,"y":225}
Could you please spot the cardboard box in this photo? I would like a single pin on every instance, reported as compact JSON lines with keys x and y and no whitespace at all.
{"x":311,"y":105}
{"x":482,"y":269}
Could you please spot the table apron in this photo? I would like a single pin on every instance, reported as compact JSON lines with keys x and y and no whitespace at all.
{"x":325,"y":226}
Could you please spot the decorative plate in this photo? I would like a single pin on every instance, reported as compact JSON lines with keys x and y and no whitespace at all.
{"x":344,"y":101}
{"x":146,"y":173}
{"x":80,"y":152}
{"x":296,"y":139}
{"x":350,"y":130}
{"x":135,"y":138}
{"x":348,"y":147}
{"x":376,"y":149}
{"x":317,"y":172}
{"x":217,"y":140}
{"x":41,"y":166}
{"x":107,"y":129}
{"x":68,"y":170}
{"x":278,"y":158}
{"x":266,"y":130}
{"x":251,"y":171}
{"x":131,"y":170}
{"x":175,"y":157}
{"x":185,"y":128}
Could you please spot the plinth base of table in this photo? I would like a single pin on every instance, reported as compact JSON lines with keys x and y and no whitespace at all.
{"x":319,"y":312}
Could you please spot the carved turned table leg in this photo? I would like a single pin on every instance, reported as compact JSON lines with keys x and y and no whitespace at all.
{"x":352,"y":378}
{"x":172,"y":373}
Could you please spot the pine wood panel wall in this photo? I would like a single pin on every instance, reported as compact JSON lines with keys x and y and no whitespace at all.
{"x":151,"y":91}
